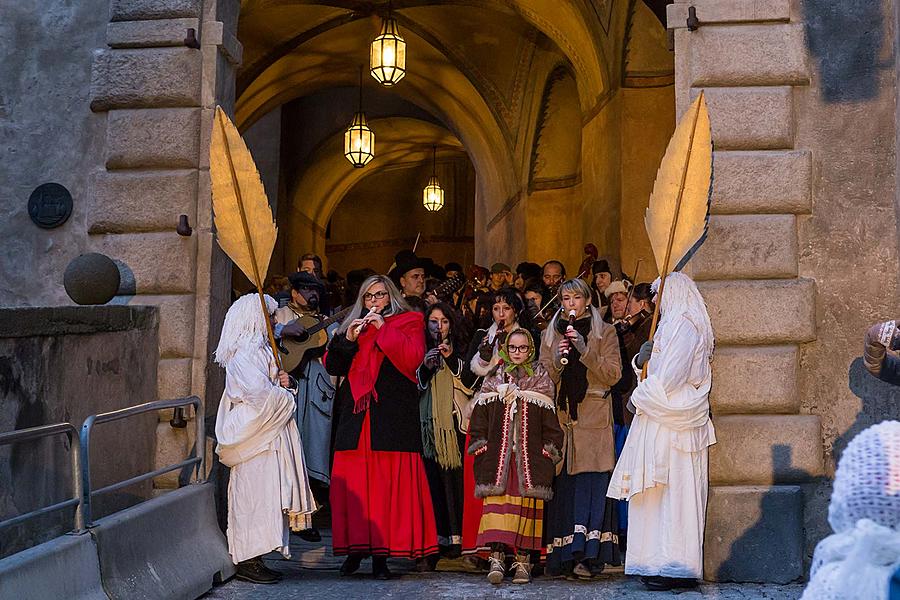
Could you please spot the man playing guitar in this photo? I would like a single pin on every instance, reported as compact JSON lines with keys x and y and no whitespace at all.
{"x":303,"y":334}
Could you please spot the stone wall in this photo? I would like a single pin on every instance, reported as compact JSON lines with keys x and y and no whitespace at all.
{"x":47,"y":134}
{"x":61,"y":365}
{"x":781,"y":268}
{"x":166,"y":66}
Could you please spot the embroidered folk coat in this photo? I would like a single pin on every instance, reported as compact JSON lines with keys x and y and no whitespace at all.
{"x":514,"y":425}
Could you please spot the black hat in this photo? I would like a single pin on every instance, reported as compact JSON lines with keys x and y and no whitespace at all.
{"x":453,"y":266}
{"x":600,"y":266}
{"x":306,"y":280}
{"x":404,"y":262}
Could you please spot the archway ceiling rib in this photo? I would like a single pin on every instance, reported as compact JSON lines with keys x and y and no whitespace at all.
{"x":570,"y":24}
{"x":331,"y":60}
{"x":328,"y":178}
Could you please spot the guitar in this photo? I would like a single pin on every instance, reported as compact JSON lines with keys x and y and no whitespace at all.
{"x":318,"y":336}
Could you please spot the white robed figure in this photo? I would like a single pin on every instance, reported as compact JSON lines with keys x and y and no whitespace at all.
{"x":663,"y":468}
{"x":268,"y":491}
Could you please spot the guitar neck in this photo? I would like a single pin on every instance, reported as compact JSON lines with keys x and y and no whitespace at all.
{"x":326,"y":322}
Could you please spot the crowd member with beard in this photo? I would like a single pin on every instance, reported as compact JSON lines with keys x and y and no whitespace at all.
{"x":315,"y":391}
{"x":444,"y":414}
{"x":553,"y":273}
{"x":380,"y":501}
{"x":408,"y":274}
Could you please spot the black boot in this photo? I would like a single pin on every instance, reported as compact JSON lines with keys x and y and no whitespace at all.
{"x":351,"y":564}
{"x":310,"y":535}
{"x":380,"y":569}
{"x":657,"y":583}
{"x":254,"y":571}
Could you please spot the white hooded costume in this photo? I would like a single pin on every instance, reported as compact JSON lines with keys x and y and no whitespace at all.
{"x":856,"y":562}
{"x":268,"y":492}
{"x":663,"y":468}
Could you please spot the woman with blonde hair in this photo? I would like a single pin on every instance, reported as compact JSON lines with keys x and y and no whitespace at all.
{"x":581,"y":352}
{"x":380,"y":502}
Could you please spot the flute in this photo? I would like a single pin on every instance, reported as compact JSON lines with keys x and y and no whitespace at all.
{"x":570,"y":327}
{"x":362,"y":325}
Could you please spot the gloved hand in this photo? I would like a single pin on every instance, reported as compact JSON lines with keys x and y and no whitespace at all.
{"x":486,"y":350}
{"x":295,"y":331}
{"x":577,"y":340}
{"x":433,"y":359}
{"x":644,"y":354}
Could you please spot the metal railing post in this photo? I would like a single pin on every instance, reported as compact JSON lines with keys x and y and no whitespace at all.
{"x":86,"y":495}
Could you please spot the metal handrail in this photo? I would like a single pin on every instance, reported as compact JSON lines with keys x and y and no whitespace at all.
{"x":198,"y":458}
{"x":33,"y":433}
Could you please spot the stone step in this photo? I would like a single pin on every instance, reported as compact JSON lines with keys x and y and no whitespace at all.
{"x":748,"y":247}
{"x":738,"y":372}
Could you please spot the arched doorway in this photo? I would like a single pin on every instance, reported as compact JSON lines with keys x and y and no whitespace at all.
{"x":550,"y":108}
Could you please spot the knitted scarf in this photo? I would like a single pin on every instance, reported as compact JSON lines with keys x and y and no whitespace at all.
{"x":367,"y":361}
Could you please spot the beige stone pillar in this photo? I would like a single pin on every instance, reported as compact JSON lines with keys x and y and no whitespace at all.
{"x":159,"y":84}
{"x":749,"y":57}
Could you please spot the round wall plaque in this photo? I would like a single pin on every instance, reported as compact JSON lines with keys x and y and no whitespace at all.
{"x":50,"y":205}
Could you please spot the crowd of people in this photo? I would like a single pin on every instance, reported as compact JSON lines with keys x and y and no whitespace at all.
{"x":495,"y":414}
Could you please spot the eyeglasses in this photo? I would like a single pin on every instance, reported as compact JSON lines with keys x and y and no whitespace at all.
{"x":525,"y":348}
{"x":375,"y":296}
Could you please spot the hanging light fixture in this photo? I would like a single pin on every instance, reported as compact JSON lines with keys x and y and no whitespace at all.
{"x":359,"y":139}
{"x":433,"y":194}
{"x":387,"y":55}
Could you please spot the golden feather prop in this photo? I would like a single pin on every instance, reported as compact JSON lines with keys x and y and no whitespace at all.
{"x":245,"y":228}
{"x":677,"y":217}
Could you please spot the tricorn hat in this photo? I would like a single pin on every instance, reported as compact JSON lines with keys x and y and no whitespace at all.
{"x":404,"y":262}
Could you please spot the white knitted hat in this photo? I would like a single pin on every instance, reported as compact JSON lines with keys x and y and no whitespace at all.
{"x":867,"y":482}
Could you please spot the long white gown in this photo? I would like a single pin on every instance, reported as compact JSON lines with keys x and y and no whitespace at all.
{"x":662,"y":470}
{"x":268,"y":492}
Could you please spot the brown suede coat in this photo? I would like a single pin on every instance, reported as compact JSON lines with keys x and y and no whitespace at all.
{"x":589,"y":442}
{"x":514,"y":423}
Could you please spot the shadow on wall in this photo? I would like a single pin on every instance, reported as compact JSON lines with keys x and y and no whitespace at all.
{"x":845,"y":38}
{"x":878,"y":401}
{"x":771,"y":548}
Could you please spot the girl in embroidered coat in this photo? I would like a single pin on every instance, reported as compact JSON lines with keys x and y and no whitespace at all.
{"x":516,"y":441}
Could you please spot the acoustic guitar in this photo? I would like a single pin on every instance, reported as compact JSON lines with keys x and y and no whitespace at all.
{"x":317,"y":336}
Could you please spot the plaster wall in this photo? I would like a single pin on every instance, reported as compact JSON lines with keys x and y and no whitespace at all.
{"x":601,"y":156}
{"x":647,"y":124}
{"x":849,"y":242}
{"x":47,"y":134}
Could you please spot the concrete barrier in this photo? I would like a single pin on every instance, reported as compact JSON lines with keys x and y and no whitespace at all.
{"x":169,"y":547}
{"x":65,"y":567}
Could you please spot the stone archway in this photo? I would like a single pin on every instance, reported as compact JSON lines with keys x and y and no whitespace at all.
{"x":159,"y":95}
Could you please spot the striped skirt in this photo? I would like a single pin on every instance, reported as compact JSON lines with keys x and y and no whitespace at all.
{"x":511,"y":519}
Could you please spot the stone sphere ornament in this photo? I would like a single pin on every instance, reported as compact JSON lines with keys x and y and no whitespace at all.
{"x":91,"y":279}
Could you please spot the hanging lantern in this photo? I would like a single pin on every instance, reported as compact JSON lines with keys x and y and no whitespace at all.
{"x":359,"y":139}
{"x":387,"y":55}
{"x":433,"y":194}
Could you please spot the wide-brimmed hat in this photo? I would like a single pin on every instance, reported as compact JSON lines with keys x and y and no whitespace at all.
{"x":302,"y":279}
{"x":404,"y":262}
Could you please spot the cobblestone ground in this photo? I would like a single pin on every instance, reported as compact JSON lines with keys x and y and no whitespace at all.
{"x":312,"y":574}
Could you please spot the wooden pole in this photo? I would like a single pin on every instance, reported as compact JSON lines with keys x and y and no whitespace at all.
{"x":258,"y":281}
{"x":665,"y":273}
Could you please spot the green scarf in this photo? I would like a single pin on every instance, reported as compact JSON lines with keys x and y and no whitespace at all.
{"x":436,"y":420}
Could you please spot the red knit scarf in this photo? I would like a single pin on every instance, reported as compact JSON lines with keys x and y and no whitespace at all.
{"x":404,"y":356}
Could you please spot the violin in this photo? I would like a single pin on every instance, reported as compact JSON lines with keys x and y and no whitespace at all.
{"x":627,"y":322}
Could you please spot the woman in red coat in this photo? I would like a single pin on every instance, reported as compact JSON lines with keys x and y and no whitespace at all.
{"x":380,"y":503}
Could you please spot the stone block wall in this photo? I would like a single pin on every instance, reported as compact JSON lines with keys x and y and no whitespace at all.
{"x":750,"y":59}
{"x":159,"y":91}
